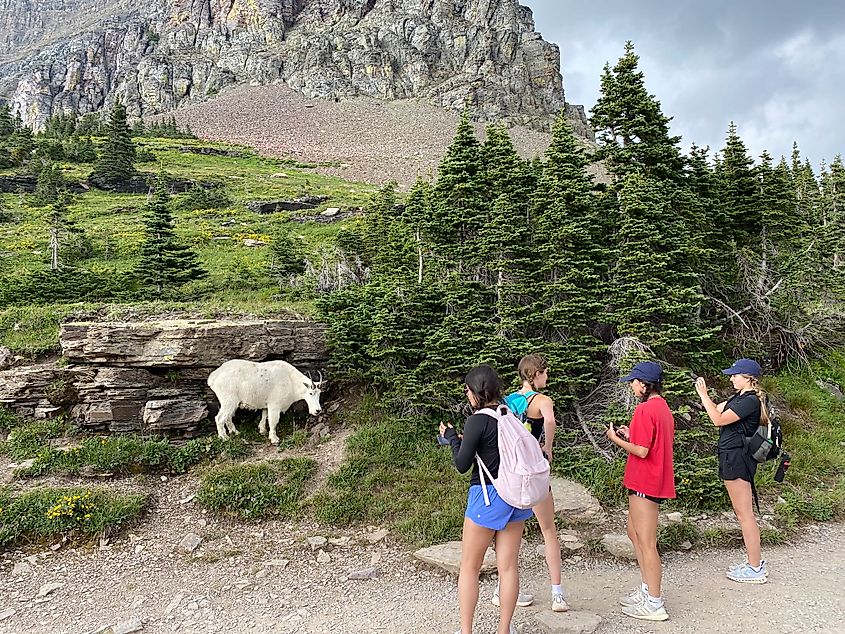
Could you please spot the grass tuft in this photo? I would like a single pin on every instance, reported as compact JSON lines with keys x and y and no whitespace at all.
{"x":44,"y":514}
{"x":257,"y":491}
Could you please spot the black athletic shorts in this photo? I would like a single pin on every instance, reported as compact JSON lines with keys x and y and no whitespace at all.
{"x":647,"y":497}
{"x":736,"y":464}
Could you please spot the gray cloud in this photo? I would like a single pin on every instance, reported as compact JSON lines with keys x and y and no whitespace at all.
{"x":774,"y":67}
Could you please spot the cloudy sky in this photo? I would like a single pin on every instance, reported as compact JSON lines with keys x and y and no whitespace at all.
{"x":775,"y":67}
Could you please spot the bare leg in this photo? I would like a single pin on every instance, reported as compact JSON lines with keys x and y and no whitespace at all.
{"x":475,"y":541}
{"x":273,"y":418}
{"x":508,"y":542}
{"x":632,"y":535}
{"x":545,"y":513}
{"x":643,"y":514}
{"x":742,"y":500}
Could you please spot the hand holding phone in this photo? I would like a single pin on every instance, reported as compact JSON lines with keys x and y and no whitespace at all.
{"x":441,"y":437}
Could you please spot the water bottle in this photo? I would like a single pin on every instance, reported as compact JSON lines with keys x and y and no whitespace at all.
{"x":782,"y":467}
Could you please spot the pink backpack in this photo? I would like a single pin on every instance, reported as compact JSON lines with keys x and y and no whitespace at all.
{"x":523,"y":470}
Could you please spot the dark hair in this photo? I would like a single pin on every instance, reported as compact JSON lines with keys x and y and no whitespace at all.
{"x":530,"y":366}
{"x":651,"y":388}
{"x":485,"y":383}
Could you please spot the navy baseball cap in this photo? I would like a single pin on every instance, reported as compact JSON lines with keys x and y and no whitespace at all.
{"x":647,"y":371}
{"x":744,"y":366}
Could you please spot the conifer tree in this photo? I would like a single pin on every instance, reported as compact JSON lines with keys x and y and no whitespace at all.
{"x":738,"y":214}
{"x":505,"y":172}
{"x":655,"y":296}
{"x":632,"y":130}
{"x":165,"y":263}
{"x":458,"y":209}
{"x":7,"y":122}
{"x":417,"y":215}
{"x":570,"y":262}
{"x":286,"y":256}
{"x":67,"y":241}
{"x":833,"y":197}
{"x":116,"y":162}
{"x":51,"y":184}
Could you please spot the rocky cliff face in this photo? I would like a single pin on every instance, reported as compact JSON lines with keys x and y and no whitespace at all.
{"x":83,"y":54}
{"x":150,"y":377}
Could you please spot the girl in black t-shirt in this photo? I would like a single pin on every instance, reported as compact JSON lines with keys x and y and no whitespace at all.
{"x":737,"y":419}
{"x":484,"y":522}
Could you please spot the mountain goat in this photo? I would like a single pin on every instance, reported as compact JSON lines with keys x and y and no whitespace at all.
{"x":271,"y":386}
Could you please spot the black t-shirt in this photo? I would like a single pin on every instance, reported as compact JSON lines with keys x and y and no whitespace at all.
{"x":481,"y":436}
{"x":747,"y":407}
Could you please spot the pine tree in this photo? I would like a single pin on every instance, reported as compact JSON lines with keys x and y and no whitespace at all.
{"x":632,"y":130}
{"x":286,"y":256}
{"x":116,"y":162}
{"x":51,"y":184}
{"x":570,"y":263}
{"x":738,"y":213}
{"x":7,"y":122}
{"x":656,"y":297}
{"x":67,"y":241}
{"x":458,"y":209}
{"x":165,"y":263}
{"x":833,"y":202}
{"x":417,"y":215}
{"x":505,"y":172}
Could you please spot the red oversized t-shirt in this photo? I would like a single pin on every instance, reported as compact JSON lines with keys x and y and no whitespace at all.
{"x":654,"y":427}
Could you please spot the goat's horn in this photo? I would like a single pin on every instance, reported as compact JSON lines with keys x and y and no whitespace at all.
{"x":308,"y":374}
{"x":320,"y":374}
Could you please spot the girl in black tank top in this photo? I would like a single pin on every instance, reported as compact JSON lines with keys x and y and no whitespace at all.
{"x":540,"y":416}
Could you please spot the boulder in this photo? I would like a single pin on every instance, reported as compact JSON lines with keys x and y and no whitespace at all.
{"x":297,"y":204}
{"x":830,"y":388}
{"x":7,"y":359}
{"x":619,"y":545}
{"x":448,"y":557}
{"x":572,"y":622}
{"x":573,"y":502}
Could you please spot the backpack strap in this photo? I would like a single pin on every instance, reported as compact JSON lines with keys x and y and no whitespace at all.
{"x":482,"y":468}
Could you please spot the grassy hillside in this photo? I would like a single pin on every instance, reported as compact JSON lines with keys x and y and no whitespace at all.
{"x":237,"y":282}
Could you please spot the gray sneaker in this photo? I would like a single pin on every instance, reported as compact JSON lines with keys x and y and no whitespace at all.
{"x":736,"y":567}
{"x":523,"y":600}
{"x":559,"y":603}
{"x":634,"y":598}
{"x":746,"y":574}
{"x":646,"y":611}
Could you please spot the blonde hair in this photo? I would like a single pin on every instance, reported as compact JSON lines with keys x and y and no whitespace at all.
{"x":764,"y":411}
{"x":530,"y":366}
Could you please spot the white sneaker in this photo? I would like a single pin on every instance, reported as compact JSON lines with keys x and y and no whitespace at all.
{"x":646,"y":611}
{"x":634,"y":598}
{"x":559,"y":603}
{"x":523,"y":600}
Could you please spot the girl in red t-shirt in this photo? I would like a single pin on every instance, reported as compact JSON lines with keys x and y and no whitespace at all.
{"x":650,"y":479}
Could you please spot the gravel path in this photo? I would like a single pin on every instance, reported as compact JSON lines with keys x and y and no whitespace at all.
{"x":266,"y":578}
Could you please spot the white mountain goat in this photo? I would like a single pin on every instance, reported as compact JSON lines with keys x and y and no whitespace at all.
{"x":271,"y":386}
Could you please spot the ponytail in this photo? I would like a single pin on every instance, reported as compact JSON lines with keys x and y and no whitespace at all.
{"x":651,"y":388}
{"x":764,"y":410}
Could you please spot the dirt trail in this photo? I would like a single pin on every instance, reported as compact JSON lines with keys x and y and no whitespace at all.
{"x":265,"y":578}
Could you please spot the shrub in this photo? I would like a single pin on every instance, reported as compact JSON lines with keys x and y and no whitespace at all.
{"x":207,"y":196}
{"x":43,"y":514}
{"x":66,"y":284}
{"x":254,"y":491}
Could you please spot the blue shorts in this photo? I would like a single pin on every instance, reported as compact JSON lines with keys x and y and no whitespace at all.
{"x":498,"y":514}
